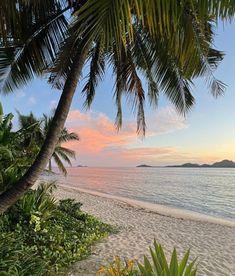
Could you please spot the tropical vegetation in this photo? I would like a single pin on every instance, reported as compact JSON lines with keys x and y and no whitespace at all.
{"x":37,"y":135}
{"x":14,"y":157}
{"x":18,"y":149}
{"x":167,"y":43}
{"x":42,"y":236}
{"x":155,"y":265}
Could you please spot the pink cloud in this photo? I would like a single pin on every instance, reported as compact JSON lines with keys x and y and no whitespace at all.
{"x":101,"y":144}
{"x":150,"y":153}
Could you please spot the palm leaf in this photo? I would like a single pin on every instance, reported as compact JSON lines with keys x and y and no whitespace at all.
{"x":67,"y":136}
{"x":39,"y":43}
{"x":59,"y":163}
{"x":96,"y":73}
{"x":62,"y":151}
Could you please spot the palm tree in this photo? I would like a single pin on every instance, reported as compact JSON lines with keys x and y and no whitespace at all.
{"x":32,"y":136}
{"x":60,"y":153}
{"x":13,"y":158}
{"x":168,"y":42}
{"x":33,"y":140}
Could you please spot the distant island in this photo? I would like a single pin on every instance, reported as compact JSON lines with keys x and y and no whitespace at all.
{"x":221,"y":164}
{"x":81,"y":166}
{"x":144,"y":166}
{"x":147,"y":166}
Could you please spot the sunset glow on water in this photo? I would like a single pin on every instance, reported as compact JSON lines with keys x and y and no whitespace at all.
{"x":206,"y":191}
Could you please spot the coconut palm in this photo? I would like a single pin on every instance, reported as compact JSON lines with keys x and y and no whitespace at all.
{"x":168,"y":42}
{"x":61,"y":154}
{"x":32,"y":136}
{"x":13,"y":159}
{"x":33,"y":140}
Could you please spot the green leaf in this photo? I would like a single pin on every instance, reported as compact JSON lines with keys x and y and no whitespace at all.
{"x":189,"y":268}
{"x":163,"y":259}
{"x":183,"y":263}
{"x":157,"y":266}
{"x":147,"y":265}
{"x":174,"y":263}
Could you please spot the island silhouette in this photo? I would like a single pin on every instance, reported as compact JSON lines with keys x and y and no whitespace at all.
{"x":221,"y":164}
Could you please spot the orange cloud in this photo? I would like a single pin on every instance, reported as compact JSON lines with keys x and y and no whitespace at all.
{"x":147,"y":153}
{"x":101,"y":144}
{"x":97,"y":132}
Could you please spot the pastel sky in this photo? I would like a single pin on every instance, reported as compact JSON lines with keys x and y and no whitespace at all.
{"x":207,"y":134}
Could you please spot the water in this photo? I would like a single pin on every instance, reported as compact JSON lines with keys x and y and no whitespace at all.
{"x":206,"y":191}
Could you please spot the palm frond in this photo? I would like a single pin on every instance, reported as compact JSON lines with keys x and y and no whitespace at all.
{"x":144,"y":62}
{"x":71,"y":50}
{"x":59,"y":163}
{"x":67,"y":136}
{"x":128,"y":81}
{"x":65,"y":151}
{"x":159,"y":17}
{"x":17,"y":17}
{"x":38,"y":44}
{"x":167,"y":42}
{"x":96,"y":73}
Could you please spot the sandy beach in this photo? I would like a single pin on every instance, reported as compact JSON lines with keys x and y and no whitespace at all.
{"x":213,"y":241}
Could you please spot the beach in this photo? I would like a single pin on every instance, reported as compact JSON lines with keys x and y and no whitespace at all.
{"x":212,"y":241}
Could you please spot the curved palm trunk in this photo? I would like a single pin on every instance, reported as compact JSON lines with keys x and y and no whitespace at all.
{"x":14,"y":193}
{"x":49,"y":165}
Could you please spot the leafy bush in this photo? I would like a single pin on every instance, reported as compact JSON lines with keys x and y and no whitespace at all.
{"x":39,"y":236}
{"x":39,"y":202}
{"x":160,"y":266}
{"x":16,"y":259}
{"x":119,"y":268}
{"x":157,"y":266}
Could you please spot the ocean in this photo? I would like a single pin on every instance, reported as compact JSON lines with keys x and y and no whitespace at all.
{"x":202,"y":190}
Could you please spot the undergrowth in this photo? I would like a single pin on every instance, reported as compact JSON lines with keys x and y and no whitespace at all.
{"x":40,"y":236}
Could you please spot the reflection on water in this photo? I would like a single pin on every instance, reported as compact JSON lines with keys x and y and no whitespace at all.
{"x":208,"y":191}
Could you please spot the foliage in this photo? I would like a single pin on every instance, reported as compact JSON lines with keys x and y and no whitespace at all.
{"x":60,"y":154}
{"x":160,"y":266}
{"x":13,"y":157}
{"x":39,"y":236}
{"x":118,"y":268}
{"x":169,"y":43}
{"x":156,"y":266}
{"x":18,"y":259}
{"x":165,"y":43}
{"x":34,"y":140}
{"x":19,"y":148}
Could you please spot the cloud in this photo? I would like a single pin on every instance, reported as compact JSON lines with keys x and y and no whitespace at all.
{"x":53,"y":104}
{"x":164,"y":121}
{"x":20,"y":93}
{"x":32,"y":100}
{"x":101,"y":144}
{"x":136,"y":153}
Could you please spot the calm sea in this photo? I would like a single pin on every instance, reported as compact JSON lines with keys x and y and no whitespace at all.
{"x":206,"y":191}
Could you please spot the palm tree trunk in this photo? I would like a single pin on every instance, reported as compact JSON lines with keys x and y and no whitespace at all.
{"x":14,"y":193}
{"x":49,"y":166}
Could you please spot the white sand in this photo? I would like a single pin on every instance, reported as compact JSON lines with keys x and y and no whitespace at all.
{"x":211,"y":240}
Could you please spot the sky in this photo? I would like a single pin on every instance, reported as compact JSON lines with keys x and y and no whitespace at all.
{"x":205,"y":135}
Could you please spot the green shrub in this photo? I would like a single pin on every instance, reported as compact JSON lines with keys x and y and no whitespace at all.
{"x":119,"y":268}
{"x":18,"y":259}
{"x":39,"y":236}
{"x":39,"y":202}
{"x":71,"y":207}
{"x":159,"y":265}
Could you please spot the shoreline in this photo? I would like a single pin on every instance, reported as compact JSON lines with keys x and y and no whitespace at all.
{"x":212,"y":243}
{"x":157,"y":208}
